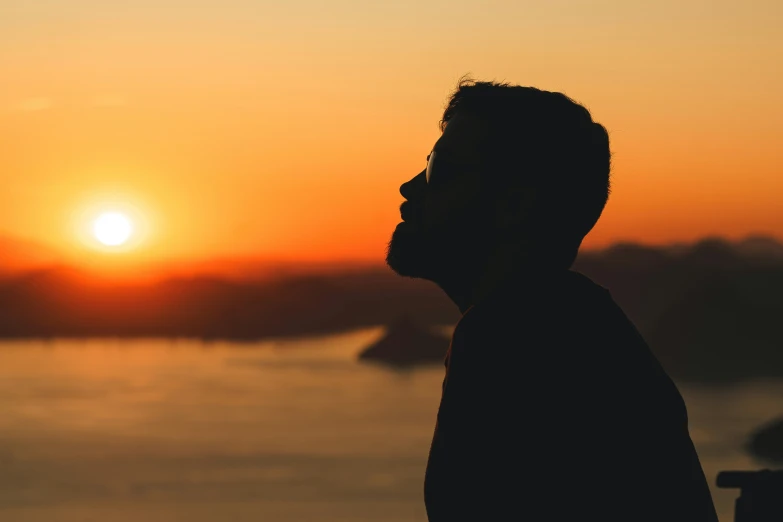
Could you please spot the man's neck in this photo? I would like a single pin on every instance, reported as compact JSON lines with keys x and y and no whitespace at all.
{"x":473,"y":286}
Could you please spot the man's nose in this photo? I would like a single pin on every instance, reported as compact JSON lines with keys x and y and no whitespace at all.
{"x":415,"y":186}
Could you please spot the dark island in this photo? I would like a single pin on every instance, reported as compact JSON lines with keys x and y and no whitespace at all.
{"x":407,"y":344}
{"x":766,"y":443}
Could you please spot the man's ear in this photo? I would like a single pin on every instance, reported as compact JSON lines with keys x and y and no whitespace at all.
{"x":514,"y":207}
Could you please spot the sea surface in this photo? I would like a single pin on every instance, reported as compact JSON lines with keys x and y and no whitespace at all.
{"x":164,"y":430}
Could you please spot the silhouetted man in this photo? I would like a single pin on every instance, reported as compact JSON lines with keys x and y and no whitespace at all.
{"x":553,"y":407}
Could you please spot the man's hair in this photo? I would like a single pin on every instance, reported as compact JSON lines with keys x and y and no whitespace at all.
{"x":547,"y":141}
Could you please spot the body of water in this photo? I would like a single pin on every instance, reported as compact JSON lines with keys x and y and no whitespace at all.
{"x":278,"y":431}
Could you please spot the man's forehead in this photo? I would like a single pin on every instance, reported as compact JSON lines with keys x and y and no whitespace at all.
{"x":462,"y":138}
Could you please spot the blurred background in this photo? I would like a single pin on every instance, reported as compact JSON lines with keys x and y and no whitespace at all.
{"x":196,"y":201}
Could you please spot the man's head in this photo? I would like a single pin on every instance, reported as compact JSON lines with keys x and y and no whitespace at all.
{"x":515,"y":168}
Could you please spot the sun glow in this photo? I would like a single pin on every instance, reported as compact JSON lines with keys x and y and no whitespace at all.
{"x":112,"y":228}
{"x":111,"y":223}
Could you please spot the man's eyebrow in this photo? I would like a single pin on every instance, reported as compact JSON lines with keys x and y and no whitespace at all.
{"x":428,"y":156}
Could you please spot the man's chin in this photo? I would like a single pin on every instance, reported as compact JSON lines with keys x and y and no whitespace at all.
{"x":406,"y":253}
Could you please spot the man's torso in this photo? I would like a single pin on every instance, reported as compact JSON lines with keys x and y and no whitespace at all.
{"x":553,"y":407}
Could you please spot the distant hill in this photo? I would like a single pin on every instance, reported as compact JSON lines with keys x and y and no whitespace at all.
{"x":255,"y":270}
{"x":66,"y":302}
{"x":710,"y":310}
{"x":18,"y":255}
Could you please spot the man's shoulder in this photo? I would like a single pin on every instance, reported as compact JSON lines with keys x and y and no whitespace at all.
{"x":567,"y":320}
{"x":564,"y":298}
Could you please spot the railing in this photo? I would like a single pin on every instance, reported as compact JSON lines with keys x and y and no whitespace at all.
{"x":761,"y":494}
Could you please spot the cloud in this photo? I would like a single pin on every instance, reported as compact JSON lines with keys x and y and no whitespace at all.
{"x":110,"y":100}
{"x":33,"y":104}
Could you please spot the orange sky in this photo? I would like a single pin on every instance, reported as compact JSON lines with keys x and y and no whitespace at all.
{"x":285,"y":129}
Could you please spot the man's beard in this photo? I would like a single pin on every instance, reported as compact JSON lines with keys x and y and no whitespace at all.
{"x":435,"y":256}
{"x":410,"y":253}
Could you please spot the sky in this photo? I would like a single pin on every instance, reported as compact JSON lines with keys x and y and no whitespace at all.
{"x":284,"y":129}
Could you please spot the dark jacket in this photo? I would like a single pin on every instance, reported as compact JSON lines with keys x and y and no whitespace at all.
{"x":554,"y":409}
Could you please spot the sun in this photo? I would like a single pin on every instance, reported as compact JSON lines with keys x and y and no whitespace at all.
{"x":112,"y":228}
